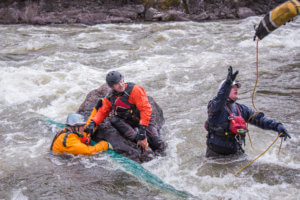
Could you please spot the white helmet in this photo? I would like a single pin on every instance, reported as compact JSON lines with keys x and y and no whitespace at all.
{"x":75,"y":120}
{"x":235,"y":82}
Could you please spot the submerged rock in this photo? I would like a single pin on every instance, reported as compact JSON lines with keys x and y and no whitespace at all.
{"x":107,"y":132}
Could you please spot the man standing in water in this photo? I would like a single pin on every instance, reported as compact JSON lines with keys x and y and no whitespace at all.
{"x":131,"y":109}
{"x":226,"y":123}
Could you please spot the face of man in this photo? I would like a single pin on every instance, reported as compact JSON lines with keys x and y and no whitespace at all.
{"x":79,"y":129}
{"x":119,"y":87}
{"x":233,"y":93}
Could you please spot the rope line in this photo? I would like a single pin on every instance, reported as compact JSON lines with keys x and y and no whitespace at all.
{"x":253,"y":93}
{"x":280,"y":146}
{"x":247,"y":165}
{"x":256,"y":112}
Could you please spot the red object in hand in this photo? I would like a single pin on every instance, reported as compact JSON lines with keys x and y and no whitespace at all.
{"x":143,"y":144}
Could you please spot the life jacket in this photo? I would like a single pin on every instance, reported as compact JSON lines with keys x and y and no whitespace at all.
{"x":84,"y":139}
{"x":237,"y":124}
{"x":225,"y":138}
{"x":121,"y":106}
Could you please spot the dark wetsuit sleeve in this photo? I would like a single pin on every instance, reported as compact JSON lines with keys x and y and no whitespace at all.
{"x":258,"y":119}
{"x":218,"y":102}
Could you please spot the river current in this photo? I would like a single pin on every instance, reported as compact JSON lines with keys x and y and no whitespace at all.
{"x":47,"y":71}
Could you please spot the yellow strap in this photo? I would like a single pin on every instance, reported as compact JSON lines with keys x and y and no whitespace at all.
{"x":244,"y":167}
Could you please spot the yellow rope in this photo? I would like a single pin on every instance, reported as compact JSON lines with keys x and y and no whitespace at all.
{"x":253,"y":93}
{"x":244,"y":167}
{"x":256,"y":75}
{"x":237,"y":172}
{"x":280,"y":146}
{"x":248,"y":129}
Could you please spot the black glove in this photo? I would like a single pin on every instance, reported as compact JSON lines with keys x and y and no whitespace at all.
{"x":231,"y":77}
{"x":90,"y":128}
{"x":141,"y":133}
{"x":281,"y":129}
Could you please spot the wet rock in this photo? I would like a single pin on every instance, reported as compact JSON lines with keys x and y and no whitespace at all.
{"x":140,"y":9}
{"x":131,"y":12}
{"x":107,"y":132}
{"x":152,"y":14}
{"x":201,"y":17}
{"x":174,"y":15}
{"x":244,"y":12}
{"x":120,"y":11}
{"x":91,"y":100}
{"x":8,"y":16}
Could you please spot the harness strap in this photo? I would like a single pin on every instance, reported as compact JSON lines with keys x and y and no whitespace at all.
{"x":57,"y":134}
{"x":231,"y":113}
{"x":68,"y":132}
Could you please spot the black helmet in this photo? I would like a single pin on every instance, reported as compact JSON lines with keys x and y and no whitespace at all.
{"x":113,"y":77}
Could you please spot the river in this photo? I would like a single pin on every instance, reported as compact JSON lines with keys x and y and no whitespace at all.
{"x":47,"y":71}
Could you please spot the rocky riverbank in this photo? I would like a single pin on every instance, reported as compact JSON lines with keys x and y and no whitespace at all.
{"x":126,"y":11}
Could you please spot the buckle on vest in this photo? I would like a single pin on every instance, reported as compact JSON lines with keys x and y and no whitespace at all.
{"x":242,"y":131}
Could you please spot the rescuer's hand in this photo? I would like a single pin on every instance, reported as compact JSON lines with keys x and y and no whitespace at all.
{"x":231,"y":77}
{"x":141,"y":133}
{"x":281,"y":129}
{"x":90,"y":128}
{"x":110,"y":146}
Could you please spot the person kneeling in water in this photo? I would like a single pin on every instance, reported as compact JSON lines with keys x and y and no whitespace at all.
{"x":74,"y":140}
{"x":226,"y":123}
{"x":131,"y":110}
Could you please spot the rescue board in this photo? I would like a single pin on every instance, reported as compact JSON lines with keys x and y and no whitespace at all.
{"x":136,"y":169}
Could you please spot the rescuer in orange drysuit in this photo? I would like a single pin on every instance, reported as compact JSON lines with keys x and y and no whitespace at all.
{"x":130,"y":109}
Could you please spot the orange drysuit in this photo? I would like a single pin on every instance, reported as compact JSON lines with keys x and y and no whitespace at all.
{"x":131,"y":108}
{"x":69,"y":142}
{"x":137,"y":97}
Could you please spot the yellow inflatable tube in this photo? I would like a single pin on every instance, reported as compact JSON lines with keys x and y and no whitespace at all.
{"x":277,"y":17}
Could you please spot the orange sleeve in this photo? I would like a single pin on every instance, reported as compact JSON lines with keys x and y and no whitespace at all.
{"x":103,"y":112}
{"x":75,"y":146}
{"x":92,"y":115}
{"x":139,"y":98}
